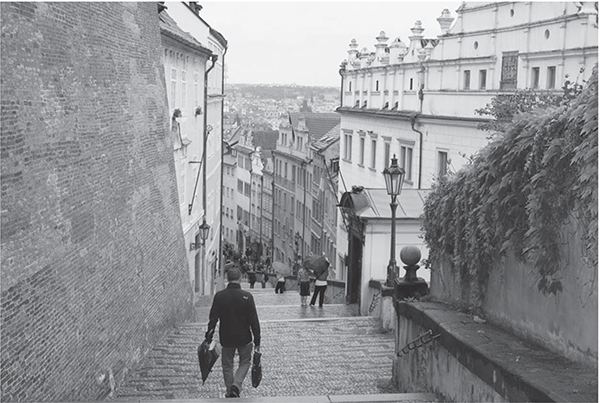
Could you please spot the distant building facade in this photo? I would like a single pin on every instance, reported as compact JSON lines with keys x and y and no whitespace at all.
{"x":417,"y":100}
{"x":296,"y":191}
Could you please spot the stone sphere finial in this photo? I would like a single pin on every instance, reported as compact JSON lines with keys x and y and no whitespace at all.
{"x":410,"y":255}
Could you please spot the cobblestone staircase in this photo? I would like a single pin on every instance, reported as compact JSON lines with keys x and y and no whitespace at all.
{"x":310,"y":354}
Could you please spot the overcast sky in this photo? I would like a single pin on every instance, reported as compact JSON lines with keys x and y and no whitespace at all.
{"x":302,"y":42}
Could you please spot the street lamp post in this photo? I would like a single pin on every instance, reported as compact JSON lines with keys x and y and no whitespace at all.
{"x":394,"y":177}
{"x":203,"y":228}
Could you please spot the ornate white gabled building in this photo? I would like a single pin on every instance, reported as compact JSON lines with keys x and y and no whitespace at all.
{"x":416,"y":98}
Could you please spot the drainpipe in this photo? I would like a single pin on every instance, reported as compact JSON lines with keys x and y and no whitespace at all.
{"x":305,"y":164}
{"x":273,"y":215}
{"x":220,"y":257}
{"x":413,"y":121}
{"x":213,"y":59}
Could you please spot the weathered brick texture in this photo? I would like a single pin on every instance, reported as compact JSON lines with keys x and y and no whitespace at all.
{"x":93,"y":257}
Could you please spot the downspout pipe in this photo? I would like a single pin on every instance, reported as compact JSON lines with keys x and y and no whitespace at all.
{"x":220,"y":263}
{"x":213,"y":59}
{"x":413,"y":121}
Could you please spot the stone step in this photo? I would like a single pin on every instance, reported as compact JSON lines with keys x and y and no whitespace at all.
{"x":392,"y":397}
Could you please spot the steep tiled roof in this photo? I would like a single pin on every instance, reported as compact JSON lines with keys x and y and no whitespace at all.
{"x":318,"y":124}
{"x":327,"y":140}
{"x":266,"y":140}
{"x":169,"y":27}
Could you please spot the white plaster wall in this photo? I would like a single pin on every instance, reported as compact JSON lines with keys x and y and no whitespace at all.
{"x":376,"y":253}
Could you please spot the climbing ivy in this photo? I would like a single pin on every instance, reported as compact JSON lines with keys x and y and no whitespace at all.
{"x":518,"y":192}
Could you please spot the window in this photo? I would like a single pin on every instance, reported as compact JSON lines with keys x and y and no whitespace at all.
{"x":173,"y":87}
{"x":377,"y":85}
{"x":482,"y":79}
{"x":386,"y":154}
{"x":551,"y":77}
{"x":406,"y":161}
{"x":410,"y":85}
{"x":285,"y":170}
{"x":246,"y":188}
{"x":535,"y":77}
{"x":183,"y":88}
{"x":510,"y":61}
{"x":294,"y":173}
{"x":350,"y":86}
{"x":467,"y":79}
{"x":240,"y":186}
{"x":335,"y":165}
{"x":361,"y":156}
{"x":348,"y":146}
{"x":196,"y":89}
{"x":442,"y":163}
{"x":373,"y":152}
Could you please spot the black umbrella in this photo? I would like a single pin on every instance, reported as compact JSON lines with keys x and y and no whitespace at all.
{"x":207,"y":358}
{"x":256,"y":370}
{"x":316,"y":264}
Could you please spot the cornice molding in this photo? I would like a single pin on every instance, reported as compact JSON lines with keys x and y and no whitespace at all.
{"x":404,"y":115}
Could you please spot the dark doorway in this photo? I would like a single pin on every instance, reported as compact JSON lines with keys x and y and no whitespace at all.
{"x":355,"y":248}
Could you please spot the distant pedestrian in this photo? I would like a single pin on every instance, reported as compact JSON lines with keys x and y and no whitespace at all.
{"x":265,"y":279}
{"x":251,"y":278}
{"x":280,"y":283}
{"x":236,"y":311}
{"x":320,"y":283}
{"x":304,"y":283}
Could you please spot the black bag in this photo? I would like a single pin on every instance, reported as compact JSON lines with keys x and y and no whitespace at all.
{"x":207,"y":357}
{"x":256,"y":370}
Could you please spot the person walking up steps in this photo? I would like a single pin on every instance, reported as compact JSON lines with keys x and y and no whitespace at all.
{"x":304,"y":283}
{"x":236,"y":311}
{"x":280,"y":283}
{"x":321,"y":273}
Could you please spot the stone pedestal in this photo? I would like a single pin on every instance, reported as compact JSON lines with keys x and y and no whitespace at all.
{"x":410,"y":286}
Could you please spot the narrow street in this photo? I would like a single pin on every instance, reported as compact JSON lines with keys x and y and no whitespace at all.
{"x":310,"y":352}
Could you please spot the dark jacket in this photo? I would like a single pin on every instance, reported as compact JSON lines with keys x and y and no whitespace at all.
{"x":236,"y":310}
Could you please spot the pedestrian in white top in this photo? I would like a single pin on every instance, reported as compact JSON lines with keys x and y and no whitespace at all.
{"x":321,"y":274}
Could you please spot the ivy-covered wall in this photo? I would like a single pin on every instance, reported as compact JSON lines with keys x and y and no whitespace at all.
{"x":513,"y":236}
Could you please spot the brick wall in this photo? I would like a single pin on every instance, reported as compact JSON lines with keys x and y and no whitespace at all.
{"x":93,"y":258}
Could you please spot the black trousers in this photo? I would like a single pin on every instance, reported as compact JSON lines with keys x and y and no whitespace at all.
{"x":319,"y":290}
{"x":280,"y":287}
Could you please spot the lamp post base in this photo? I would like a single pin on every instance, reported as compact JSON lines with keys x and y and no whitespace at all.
{"x":392,"y":274}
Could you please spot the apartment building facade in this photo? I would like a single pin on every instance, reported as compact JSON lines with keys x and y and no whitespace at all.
{"x":195,"y":74}
{"x":298,"y":187}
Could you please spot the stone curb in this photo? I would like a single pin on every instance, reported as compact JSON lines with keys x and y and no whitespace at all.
{"x":392,"y":397}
